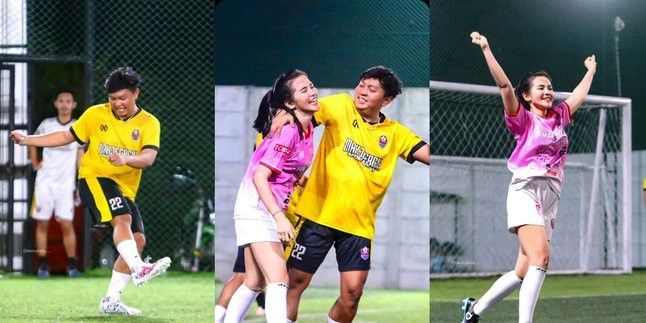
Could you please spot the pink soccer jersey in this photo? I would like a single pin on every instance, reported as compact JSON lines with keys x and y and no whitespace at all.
{"x":541,"y":142}
{"x":288,"y":157}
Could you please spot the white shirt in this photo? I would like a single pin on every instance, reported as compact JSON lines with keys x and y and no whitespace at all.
{"x":59,"y":163}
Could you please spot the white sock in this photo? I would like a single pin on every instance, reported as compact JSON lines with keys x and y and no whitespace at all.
{"x":330,"y":320}
{"x":529,"y":291}
{"x":220,"y":311}
{"x":503,"y":286}
{"x":290,"y":321}
{"x":128,"y":250}
{"x":276,"y":303}
{"x":118,"y":282}
{"x":239,"y":304}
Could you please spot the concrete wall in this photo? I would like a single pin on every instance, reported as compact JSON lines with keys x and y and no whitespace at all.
{"x":477,"y":222}
{"x":400,"y":249}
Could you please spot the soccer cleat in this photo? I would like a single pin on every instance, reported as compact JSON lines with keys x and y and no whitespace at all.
{"x":116,"y":306}
{"x":43,"y":273}
{"x":73,"y":272}
{"x":467,"y":310}
{"x":150,"y":271}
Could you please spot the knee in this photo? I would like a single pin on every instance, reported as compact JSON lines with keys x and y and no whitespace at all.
{"x":122,"y":221}
{"x":541,"y":259}
{"x":352,"y":295}
{"x":255,"y":284}
{"x":297,"y":282}
{"x":67,"y":227}
{"x":281,"y":278}
{"x":42,"y":226}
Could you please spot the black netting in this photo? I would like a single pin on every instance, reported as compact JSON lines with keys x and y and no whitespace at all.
{"x":170,"y":43}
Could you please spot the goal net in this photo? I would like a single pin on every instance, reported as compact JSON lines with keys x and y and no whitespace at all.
{"x":469,"y":182}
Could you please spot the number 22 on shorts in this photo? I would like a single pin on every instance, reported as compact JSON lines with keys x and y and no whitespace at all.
{"x":298,"y":251}
{"x":115,"y":203}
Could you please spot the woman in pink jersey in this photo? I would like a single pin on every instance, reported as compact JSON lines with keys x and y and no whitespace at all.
{"x":537,"y":166}
{"x":275,"y":167}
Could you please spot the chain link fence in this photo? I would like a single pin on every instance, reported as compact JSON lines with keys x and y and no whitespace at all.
{"x":470,"y":179}
{"x":170,"y":44}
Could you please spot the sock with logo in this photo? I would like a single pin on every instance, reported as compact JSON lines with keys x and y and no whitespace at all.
{"x":276,"y":303}
{"x":529,"y":291}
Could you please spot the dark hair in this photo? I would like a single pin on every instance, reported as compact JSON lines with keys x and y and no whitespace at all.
{"x":274,"y":100}
{"x":122,"y":78}
{"x":526,"y":84}
{"x":389,"y":80}
{"x":64,"y":90}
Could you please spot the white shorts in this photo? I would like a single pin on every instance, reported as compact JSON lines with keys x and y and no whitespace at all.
{"x":251,"y":230}
{"x":51,"y":197}
{"x":532,"y":201}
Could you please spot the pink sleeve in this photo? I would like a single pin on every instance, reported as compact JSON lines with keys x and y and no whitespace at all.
{"x":564,"y":111}
{"x":517,"y":124}
{"x":279,"y":149}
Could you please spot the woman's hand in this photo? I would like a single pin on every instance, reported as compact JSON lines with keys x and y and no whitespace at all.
{"x":479,"y":40}
{"x":591,"y":63}
{"x":284,"y":227}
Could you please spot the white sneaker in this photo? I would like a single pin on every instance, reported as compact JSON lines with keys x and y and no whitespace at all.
{"x":150,"y":271}
{"x":116,"y":306}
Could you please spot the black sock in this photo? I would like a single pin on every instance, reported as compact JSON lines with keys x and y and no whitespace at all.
{"x":71,"y":263}
{"x":43,"y":262}
{"x":260,"y":299}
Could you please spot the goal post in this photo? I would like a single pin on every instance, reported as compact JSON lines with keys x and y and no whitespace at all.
{"x":469,"y":181}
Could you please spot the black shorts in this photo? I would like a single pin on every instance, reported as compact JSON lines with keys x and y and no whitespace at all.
{"x":239,"y":267}
{"x":314,"y":241}
{"x":104,"y":199}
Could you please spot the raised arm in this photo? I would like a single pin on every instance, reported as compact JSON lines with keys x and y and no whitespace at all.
{"x":502,"y":81}
{"x":52,"y":139}
{"x":581,"y":91}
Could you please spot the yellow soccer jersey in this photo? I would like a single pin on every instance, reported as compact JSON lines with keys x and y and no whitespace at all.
{"x":353,"y":167}
{"x":105,"y":134}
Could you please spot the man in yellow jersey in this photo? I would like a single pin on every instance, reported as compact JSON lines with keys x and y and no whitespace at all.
{"x":121,"y":139}
{"x":350,"y":175}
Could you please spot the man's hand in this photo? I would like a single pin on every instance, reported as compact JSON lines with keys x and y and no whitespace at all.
{"x":117,"y":160}
{"x":18,"y":137}
{"x":282,"y":118}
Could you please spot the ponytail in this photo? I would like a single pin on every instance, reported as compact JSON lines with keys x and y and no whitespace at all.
{"x":265,"y":114}
{"x":274,"y":100}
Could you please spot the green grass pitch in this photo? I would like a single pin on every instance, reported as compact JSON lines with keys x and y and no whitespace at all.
{"x":175,"y":297}
{"x":579,"y":298}
{"x":377,"y":305}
